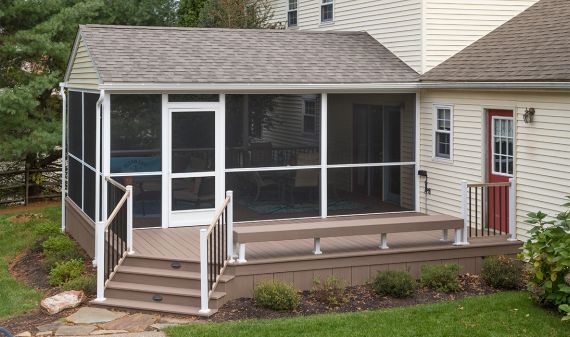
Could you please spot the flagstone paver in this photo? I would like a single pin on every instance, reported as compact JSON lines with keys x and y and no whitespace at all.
{"x":75,"y":330}
{"x":89,"y":315}
{"x":133,"y":323}
{"x":44,"y":333}
{"x":50,"y":326}
{"x":108,"y":332}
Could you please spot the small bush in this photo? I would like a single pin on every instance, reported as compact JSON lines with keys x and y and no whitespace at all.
{"x":502,"y":272}
{"x":276,"y":295}
{"x":65,"y":271}
{"x":87,"y":283}
{"x":394,"y":283}
{"x":59,"y":248}
{"x":442,"y":278}
{"x":48,"y":229}
{"x":332,"y":291}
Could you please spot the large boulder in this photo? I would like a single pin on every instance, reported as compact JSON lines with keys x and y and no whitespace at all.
{"x":65,"y":300}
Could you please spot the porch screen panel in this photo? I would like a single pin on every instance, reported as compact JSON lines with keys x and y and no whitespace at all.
{"x":75,"y":123}
{"x":75,"y":178}
{"x":147,"y":199}
{"x":136,"y":130}
{"x":89,"y":192}
{"x":90,"y":120}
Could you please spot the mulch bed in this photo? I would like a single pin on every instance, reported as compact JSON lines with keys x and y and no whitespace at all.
{"x":360,"y":298}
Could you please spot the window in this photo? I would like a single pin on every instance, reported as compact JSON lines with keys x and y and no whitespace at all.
{"x":443,"y":132}
{"x":326,"y":10}
{"x":503,"y":146}
{"x":310,"y":115}
{"x":292,"y":14}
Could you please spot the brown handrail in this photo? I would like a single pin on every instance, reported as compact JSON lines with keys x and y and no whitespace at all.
{"x":489,"y":184}
{"x":218,"y":214}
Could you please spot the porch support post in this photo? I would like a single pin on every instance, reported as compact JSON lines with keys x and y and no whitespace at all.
{"x":384,"y":241}
{"x":130,"y":220}
{"x":241,"y":258}
{"x":317,"y":246}
{"x":230,"y":214}
{"x":512,"y":236}
{"x":324,"y":133}
{"x":204,"y":298}
{"x":63,"y":151}
{"x":100,"y":259}
{"x":461,"y":234}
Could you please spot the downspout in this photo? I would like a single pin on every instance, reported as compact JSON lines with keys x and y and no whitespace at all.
{"x":63,"y":151}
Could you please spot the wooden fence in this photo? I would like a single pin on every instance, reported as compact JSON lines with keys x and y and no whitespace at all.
{"x":22,"y":186}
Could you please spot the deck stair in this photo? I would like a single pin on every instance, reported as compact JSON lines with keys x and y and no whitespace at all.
{"x":161,"y":284}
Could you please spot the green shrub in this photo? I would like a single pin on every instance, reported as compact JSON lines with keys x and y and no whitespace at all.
{"x":59,"y":248}
{"x":442,"y":278}
{"x":65,"y":271}
{"x":332,"y":291}
{"x":394,"y":283}
{"x":43,"y":231}
{"x":86,"y":282}
{"x":502,"y":272}
{"x":276,"y":295}
{"x":548,"y":257}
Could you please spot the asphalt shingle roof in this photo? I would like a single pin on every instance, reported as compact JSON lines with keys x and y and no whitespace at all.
{"x":533,"y":46}
{"x":198,"y":55}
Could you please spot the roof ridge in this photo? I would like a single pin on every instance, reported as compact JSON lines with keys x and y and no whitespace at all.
{"x":288,"y":31}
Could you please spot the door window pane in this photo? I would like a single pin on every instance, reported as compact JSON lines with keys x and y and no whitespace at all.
{"x":193,"y":98}
{"x":193,"y":141}
{"x":136,"y":133}
{"x":193,"y":193}
{"x":147,"y":199}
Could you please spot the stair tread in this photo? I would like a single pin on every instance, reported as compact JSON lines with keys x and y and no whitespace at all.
{"x":163,"y":258}
{"x":161,"y":289}
{"x":166,"y":273}
{"x":151,"y":306}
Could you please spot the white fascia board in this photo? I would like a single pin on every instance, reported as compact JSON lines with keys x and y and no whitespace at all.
{"x":263,"y":87}
{"x":494,"y":85}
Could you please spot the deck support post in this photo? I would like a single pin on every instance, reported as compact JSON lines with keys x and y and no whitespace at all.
{"x":512,"y":236}
{"x":204,"y":298}
{"x":317,"y":246}
{"x":461,"y":234}
{"x":100,"y":259}
{"x":130,"y":220}
{"x":230,"y":224}
{"x":384,"y":241}
{"x":444,"y":235}
{"x":241,"y":258}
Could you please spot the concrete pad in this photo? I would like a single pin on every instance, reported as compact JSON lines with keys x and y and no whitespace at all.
{"x":108,"y":332}
{"x":75,"y":330}
{"x":89,"y":315}
{"x":133,"y":323}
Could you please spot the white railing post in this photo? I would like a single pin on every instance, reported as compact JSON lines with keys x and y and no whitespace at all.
{"x":100,"y":259}
{"x":512,"y":211}
{"x":130,"y":220}
{"x":461,"y":236}
{"x":230,"y":221}
{"x":204,"y":298}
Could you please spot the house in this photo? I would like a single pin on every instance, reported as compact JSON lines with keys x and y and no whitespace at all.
{"x":422,"y":33}
{"x":201,"y":161}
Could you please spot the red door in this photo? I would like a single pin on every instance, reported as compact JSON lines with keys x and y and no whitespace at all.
{"x":500,"y":167}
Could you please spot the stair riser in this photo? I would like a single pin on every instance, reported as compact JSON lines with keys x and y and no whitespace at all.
{"x":161,"y":264}
{"x":157,"y":280}
{"x":166,"y":298}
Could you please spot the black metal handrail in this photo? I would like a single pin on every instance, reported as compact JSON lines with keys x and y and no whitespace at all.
{"x":217,"y":243}
{"x":116,"y":228}
{"x":488,"y":209}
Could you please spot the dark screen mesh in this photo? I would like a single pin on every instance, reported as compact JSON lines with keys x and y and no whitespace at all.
{"x":75,"y":181}
{"x":89,"y":192}
{"x":75,"y":123}
{"x":90,"y":116}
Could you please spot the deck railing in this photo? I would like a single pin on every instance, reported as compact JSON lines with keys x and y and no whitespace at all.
{"x":488,"y":209}
{"x":114,"y":236}
{"x":216,"y":250}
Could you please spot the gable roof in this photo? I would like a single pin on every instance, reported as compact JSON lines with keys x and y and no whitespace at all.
{"x":128,"y":54}
{"x":533,"y":46}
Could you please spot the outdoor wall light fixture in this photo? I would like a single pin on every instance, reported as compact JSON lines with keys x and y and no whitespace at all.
{"x":528,"y":115}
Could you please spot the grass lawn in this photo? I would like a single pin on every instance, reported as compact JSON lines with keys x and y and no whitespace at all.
{"x":503,"y":314}
{"x":16,"y":236}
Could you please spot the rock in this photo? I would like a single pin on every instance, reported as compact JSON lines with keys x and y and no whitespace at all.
{"x":132,"y":323}
{"x":108,"y":332}
{"x":75,"y":330}
{"x":44,"y":333}
{"x":24,"y":334}
{"x":88,"y":315}
{"x":65,"y":300}
{"x":49,"y":327}
{"x":567,"y":279}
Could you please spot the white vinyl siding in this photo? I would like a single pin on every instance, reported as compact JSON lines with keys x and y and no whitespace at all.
{"x":451,"y":25}
{"x":395,"y":23}
{"x":83,"y":74}
{"x":542,"y":149}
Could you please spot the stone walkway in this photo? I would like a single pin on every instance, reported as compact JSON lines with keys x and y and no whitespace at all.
{"x":89,"y":321}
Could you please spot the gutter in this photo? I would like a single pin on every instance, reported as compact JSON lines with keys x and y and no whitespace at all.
{"x":494,"y":85}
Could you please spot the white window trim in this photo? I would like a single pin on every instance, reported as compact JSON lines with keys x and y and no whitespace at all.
{"x":304,"y":113}
{"x":289,"y":10}
{"x":492,"y":130}
{"x":323,"y":4}
{"x":435,"y":131}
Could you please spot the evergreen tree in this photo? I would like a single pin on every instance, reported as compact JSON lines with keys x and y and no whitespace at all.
{"x":189,"y":12}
